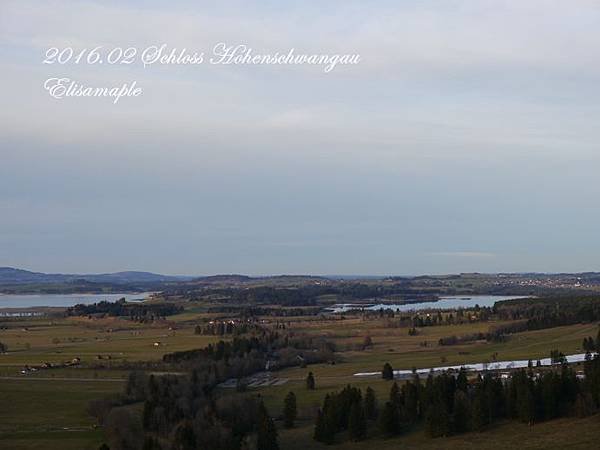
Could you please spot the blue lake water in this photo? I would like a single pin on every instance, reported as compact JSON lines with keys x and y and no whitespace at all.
{"x":446,"y":302}
{"x":63,"y":300}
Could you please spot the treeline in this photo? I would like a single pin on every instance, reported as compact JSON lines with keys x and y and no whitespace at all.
{"x":184,"y":412}
{"x":259,"y":295}
{"x":446,"y":405}
{"x":533,"y":314}
{"x":226,"y":327}
{"x":589,"y":345}
{"x":465,"y":338}
{"x":255,"y":311}
{"x":459,"y":316}
{"x":305,"y":295}
{"x":121,"y":308}
{"x":550,"y":312}
{"x":245,"y":355}
{"x":494,"y":334}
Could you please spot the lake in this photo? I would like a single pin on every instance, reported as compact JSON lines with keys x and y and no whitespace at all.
{"x":446,"y":302}
{"x":63,"y":300}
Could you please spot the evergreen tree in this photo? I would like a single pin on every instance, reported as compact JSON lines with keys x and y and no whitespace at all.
{"x":185,"y":438}
{"x":583,"y":405}
{"x":266,"y":436}
{"x":525,"y":401}
{"x":437,"y":420}
{"x":395,"y":395}
{"x":320,"y":431}
{"x":389,"y":421}
{"x":147,"y":415}
{"x":289,"y":410}
{"x":461,"y":380}
{"x":479,"y":413}
{"x":357,"y":422}
{"x":410,"y":394}
{"x":150,"y":443}
{"x":461,"y":414}
{"x":549,"y":395}
{"x":388,"y":372}
{"x":370,"y":404}
{"x":586,"y":344}
{"x":310,"y":381}
{"x":324,"y":431}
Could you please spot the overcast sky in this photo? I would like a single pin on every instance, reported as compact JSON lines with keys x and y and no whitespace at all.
{"x":467,"y":139}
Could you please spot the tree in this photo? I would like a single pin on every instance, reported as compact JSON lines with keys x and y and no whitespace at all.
{"x":266,"y":433}
{"x":437,"y":420}
{"x":525,"y":400}
{"x":395,"y":395}
{"x":310,"y":381}
{"x":185,"y":438}
{"x":323,"y":431}
{"x":289,"y":410}
{"x":388,"y":372}
{"x":147,"y":415}
{"x":461,"y":380}
{"x":388,"y":420}
{"x":123,"y":429}
{"x":357,"y":422}
{"x":370,"y":404}
{"x":410,"y":393}
{"x":150,"y":443}
{"x":461,"y":414}
{"x":584,"y":405}
{"x":479,"y":415}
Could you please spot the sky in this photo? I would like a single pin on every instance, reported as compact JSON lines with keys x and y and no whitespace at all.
{"x":466,"y":139}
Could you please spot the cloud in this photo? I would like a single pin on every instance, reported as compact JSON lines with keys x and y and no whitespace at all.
{"x":467,"y":125}
{"x":463,"y":254}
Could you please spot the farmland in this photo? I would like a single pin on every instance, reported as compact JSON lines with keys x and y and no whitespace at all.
{"x":106,"y":346}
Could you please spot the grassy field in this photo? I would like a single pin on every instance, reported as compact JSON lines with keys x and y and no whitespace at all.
{"x":402,"y":351}
{"x":574,"y":434}
{"x":35,"y":341}
{"x":394,"y":345}
{"x":38,"y":414}
{"x":47,"y":410}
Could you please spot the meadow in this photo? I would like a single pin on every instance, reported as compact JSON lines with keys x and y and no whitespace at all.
{"x":41,"y":409}
{"x":42,"y":414}
{"x":556,"y":434}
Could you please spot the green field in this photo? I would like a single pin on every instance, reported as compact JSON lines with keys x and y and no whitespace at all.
{"x":39,"y":414}
{"x":47,"y":409}
{"x":34,"y":342}
{"x":405,"y":352}
{"x":580,"y":434}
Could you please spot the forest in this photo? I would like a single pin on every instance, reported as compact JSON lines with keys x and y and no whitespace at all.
{"x":136,"y":311}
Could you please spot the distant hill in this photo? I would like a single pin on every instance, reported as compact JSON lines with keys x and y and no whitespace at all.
{"x":233,"y":280}
{"x":10,"y":275}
